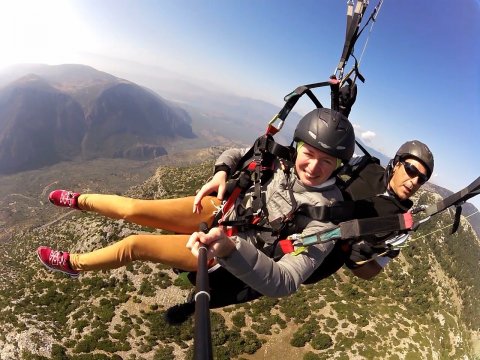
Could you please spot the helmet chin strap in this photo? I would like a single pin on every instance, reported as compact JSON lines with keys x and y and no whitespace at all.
{"x":389,"y":171}
{"x":391,"y":192}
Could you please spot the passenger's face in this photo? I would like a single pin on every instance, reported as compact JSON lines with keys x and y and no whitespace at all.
{"x":407,"y":178}
{"x":313,"y":166}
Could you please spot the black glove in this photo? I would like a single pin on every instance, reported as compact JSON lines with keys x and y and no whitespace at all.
{"x":363,"y":251}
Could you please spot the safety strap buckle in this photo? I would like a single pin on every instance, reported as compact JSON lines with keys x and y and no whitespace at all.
{"x":275,"y":125}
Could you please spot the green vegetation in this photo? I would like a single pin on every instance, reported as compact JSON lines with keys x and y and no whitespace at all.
{"x":426,"y":301}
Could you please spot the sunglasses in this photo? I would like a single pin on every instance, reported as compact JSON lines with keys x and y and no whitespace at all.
{"x":412,"y":171}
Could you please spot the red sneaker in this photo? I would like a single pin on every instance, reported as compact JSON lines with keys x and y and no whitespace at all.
{"x":56,"y":260}
{"x":64,"y":198}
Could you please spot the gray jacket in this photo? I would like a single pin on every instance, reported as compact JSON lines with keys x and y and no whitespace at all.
{"x":252,"y":266}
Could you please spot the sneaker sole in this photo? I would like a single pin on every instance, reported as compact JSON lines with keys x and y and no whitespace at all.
{"x":58,"y":270}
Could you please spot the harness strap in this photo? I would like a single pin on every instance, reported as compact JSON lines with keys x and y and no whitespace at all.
{"x":456,"y":222}
{"x":242,"y":225}
{"x":291,"y":99}
{"x":247,"y":167}
{"x":266,"y":144}
{"x":230,"y":202}
{"x":250,"y":172}
{"x":353,"y":23}
{"x":359,"y":228}
{"x":335,"y":93}
{"x":371,"y":226}
{"x":354,"y":229}
{"x":457,"y":198}
{"x":336,"y":213}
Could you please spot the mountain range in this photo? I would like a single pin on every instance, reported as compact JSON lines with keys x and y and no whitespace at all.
{"x":59,"y":113}
{"x":63,"y":112}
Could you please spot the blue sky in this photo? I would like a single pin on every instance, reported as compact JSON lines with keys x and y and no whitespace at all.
{"x":421,"y":64}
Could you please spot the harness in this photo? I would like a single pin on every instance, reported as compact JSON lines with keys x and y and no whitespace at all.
{"x":255,"y":170}
{"x":256,"y":167}
{"x":358,"y":228}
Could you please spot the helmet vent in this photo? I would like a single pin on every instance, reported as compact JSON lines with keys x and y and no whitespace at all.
{"x":325,"y":146}
{"x":313,"y":135}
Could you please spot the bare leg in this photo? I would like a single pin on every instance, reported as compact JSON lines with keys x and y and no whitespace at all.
{"x":169,"y":214}
{"x":166,"y":249}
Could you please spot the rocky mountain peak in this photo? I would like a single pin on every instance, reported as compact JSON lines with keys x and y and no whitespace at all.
{"x":59,"y":113}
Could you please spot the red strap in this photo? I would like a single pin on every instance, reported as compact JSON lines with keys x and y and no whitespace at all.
{"x":252,"y":165}
{"x":408,"y":219}
{"x":271,"y":130}
{"x":256,"y":219}
{"x":230,"y":230}
{"x":286,"y":246}
{"x":231,"y":200}
{"x":235,"y":193}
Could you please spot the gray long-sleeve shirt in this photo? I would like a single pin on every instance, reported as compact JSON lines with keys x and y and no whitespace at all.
{"x":249,"y":264}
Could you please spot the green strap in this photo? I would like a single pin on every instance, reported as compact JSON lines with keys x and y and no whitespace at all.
{"x":316,"y":239}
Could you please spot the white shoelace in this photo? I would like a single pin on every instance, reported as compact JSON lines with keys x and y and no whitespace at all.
{"x":56,"y":258}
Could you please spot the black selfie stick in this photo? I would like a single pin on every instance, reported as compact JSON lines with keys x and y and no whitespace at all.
{"x":203,"y":335}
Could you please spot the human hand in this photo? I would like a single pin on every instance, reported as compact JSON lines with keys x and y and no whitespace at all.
{"x":217,"y":184}
{"x":217,"y":242}
{"x":361,"y":251}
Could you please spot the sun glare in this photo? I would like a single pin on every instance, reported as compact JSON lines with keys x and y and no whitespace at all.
{"x":47,"y":31}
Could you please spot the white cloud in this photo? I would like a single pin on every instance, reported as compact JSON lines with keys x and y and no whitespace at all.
{"x":368,"y":136}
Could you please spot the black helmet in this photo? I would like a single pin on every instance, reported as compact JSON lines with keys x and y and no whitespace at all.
{"x":419,"y":151}
{"x":328,"y":131}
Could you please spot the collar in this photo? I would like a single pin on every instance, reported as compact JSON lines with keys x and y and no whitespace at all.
{"x":298,"y":186}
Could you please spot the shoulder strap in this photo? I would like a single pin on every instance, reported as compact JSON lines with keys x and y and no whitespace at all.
{"x":251,"y":171}
{"x":262,"y":145}
{"x":335,"y":213}
{"x":455,"y":199}
{"x":349,"y":173}
{"x":358,"y":228}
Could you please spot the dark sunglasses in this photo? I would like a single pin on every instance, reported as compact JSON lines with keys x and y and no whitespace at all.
{"x":412,"y":171}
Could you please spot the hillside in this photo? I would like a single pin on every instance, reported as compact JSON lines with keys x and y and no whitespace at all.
{"x":50,"y":114}
{"x":425,"y":306}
